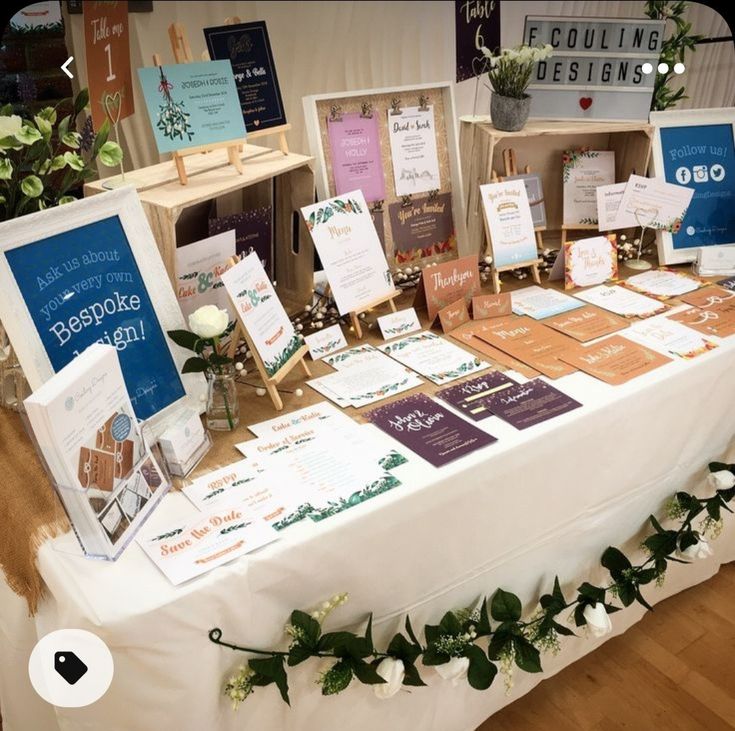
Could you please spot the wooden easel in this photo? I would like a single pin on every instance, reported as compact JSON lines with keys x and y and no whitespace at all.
{"x":270,"y":382}
{"x":355,"y":315}
{"x":575,"y":227}
{"x":182,"y":53}
{"x":511,"y":168}
{"x":232,"y":147}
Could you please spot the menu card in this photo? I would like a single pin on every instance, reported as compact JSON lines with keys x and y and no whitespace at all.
{"x":491,"y":305}
{"x":622,"y":301}
{"x":453,"y":315}
{"x":669,"y":337}
{"x":531,"y":342}
{"x":663,"y":283}
{"x":471,"y":397}
{"x":188,"y":549}
{"x":434,"y":357}
{"x":614,"y":360}
{"x":429,"y":430}
{"x":527,"y":404}
{"x":399,"y":323}
{"x":538,"y":303}
{"x":586,"y":323}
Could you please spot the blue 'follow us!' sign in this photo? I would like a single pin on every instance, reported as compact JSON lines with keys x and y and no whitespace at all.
{"x":83,"y":286}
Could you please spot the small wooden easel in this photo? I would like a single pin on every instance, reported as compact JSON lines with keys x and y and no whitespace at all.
{"x":355,"y":315}
{"x":182,"y":53}
{"x":232,"y":146}
{"x":269,"y":381}
{"x":575,"y":227}
{"x":511,"y":168}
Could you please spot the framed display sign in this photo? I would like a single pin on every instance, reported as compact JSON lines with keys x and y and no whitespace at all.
{"x":398,"y":146}
{"x":596,"y":70}
{"x":694,"y":148}
{"x":247,"y":47}
{"x":90,"y":272}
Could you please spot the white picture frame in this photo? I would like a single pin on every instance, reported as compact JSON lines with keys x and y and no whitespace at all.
{"x":124,"y":204}
{"x":684,"y":118}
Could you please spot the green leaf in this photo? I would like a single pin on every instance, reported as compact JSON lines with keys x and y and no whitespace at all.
{"x":498,"y":644}
{"x":409,"y":630}
{"x":338,"y":678}
{"x":366,"y":673}
{"x":526,"y":656}
{"x":626,"y":593}
{"x":102,"y":135}
{"x":44,"y":127}
{"x":28,"y":135}
{"x":49,"y":114}
{"x":111,"y":154}
{"x":593,"y":593}
{"x":81,"y":101}
{"x":646,"y":576}
{"x":562,"y":630}
{"x":483,"y":626}
{"x":713,"y":506}
{"x":72,"y":139}
{"x":656,"y":525}
{"x":401,"y":648}
{"x":432,"y":632}
{"x":74,"y":160}
{"x":184,"y":338}
{"x":57,"y":163}
{"x":298,"y":653}
{"x":411,"y":676}
{"x":6,"y":169}
{"x":195,"y":365}
{"x":719,"y":467}
{"x":615,"y":561}
{"x":67,"y":199}
{"x":449,"y":624}
{"x":31,"y":186}
{"x":505,"y":607}
{"x":6,"y":110}
{"x":481,"y":671}
{"x":369,"y":630}
{"x":308,"y":625}
{"x":641,"y":600}
{"x":272,"y":669}
{"x":217,"y":359}
{"x":63,"y":127}
{"x":336,"y":641}
{"x":432,"y":657}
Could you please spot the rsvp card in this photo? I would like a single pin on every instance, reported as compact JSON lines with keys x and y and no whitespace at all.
{"x":471,"y":397}
{"x":429,"y":430}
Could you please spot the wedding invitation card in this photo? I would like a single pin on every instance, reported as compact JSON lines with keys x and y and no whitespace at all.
{"x":538,"y":303}
{"x":257,"y":305}
{"x":614,"y":360}
{"x":622,"y":301}
{"x":445,"y":283}
{"x":253,"y":233}
{"x":662,"y":283}
{"x":354,"y":146}
{"x":471,"y":397}
{"x":434,"y":357}
{"x":399,"y":323}
{"x":587,"y":323}
{"x":326,"y":341}
{"x":654,"y":203}
{"x":535,"y":193}
{"x":669,"y":337}
{"x":486,"y":306}
{"x":423,"y":224}
{"x":530,"y":403}
{"x":428,"y":429}
{"x":531,"y":342}
{"x":509,"y":223}
{"x":453,"y":315}
{"x":412,"y":135}
{"x":583,"y":171}
{"x":586,"y":262}
{"x":192,"y":104}
{"x":350,"y":251}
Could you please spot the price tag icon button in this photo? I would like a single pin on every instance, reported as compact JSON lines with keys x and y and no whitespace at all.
{"x":69,"y":666}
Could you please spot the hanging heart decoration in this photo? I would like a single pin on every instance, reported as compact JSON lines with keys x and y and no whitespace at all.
{"x":585,"y":102}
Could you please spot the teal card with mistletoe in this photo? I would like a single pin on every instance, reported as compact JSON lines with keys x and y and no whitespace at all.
{"x":192,"y":104}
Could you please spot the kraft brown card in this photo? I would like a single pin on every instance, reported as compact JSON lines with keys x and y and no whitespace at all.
{"x":491,"y":305}
{"x":586,"y":323}
{"x":454,"y":315}
{"x":444,"y":284}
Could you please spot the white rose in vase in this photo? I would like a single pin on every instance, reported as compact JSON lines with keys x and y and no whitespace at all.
{"x":597,"y":619}
{"x":454,"y":670}
{"x":208,"y":321}
{"x":393,"y":672}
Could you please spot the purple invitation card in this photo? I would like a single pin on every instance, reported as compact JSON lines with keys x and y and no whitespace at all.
{"x":530,"y":403}
{"x":428,"y":429}
{"x":252,"y":233}
{"x":471,"y":396}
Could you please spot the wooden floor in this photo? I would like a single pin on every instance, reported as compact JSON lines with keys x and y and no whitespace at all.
{"x":674,"y":670}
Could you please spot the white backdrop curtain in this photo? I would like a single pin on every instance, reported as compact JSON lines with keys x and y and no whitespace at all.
{"x":322,"y":47}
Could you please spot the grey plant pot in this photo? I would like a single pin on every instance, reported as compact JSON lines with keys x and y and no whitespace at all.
{"x":509,"y":114}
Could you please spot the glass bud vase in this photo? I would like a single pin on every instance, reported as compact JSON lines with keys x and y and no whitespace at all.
{"x":223,"y":407}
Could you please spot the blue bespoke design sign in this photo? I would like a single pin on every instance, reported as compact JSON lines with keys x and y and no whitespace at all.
{"x":702,"y":157}
{"x":247,"y":47}
{"x":83,"y":286}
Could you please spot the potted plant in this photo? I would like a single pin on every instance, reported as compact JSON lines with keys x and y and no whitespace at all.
{"x":44,"y":158}
{"x":510,"y":74}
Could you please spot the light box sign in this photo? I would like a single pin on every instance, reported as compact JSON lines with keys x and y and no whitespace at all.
{"x":596,"y":68}
{"x":83,"y":286}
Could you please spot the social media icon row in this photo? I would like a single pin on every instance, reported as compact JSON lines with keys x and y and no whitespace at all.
{"x":700,"y":173}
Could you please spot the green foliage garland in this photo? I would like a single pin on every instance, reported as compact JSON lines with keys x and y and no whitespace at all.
{"x":493,"y":636}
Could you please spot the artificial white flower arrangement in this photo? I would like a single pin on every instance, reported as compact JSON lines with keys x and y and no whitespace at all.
{"x":511,"y":68}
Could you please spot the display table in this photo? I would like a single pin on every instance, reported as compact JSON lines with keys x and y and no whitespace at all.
{"x":537,"y":503}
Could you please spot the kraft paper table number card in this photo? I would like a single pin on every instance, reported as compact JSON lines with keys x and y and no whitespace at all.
{"x":350,"y":251}
{"x":586,"y":262}
{"x":354,"y":144}
{"x":509,"y":223}
{"x":412,"y":134}
{"x":583,"y":171}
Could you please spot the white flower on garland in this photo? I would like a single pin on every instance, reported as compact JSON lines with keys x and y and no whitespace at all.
{"x":208,"y":321}
{"x":701,"y":549}
{"x":598,"y":620}
{"x":393,"y":672}
{"x":722,"y":480}
{"x":454,"y":670}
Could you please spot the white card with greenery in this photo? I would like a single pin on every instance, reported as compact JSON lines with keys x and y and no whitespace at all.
{"x":583,"y":171}
{"x":434,"y":357}
{"x":669,"y":337}
{"x":621,"y":301}
{"x":350,"y":251}
{"x":261,"y":313}
{"x":303,"y":417}
{"x":325,"y":342}
{"x":395,"y":324}
{"x":654,"y":203}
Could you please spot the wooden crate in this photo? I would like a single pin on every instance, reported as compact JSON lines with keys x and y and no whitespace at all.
{"x":540,"y":144}
{"x":178,"y":214}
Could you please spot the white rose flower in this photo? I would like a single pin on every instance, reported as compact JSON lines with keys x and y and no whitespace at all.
{"x":597,"y":619}
{"x":208,"y":321}
{"x":454,"y":670}
{"x":722,"y":480}
{"x":392,"y":671}
{"x":701,"y":549}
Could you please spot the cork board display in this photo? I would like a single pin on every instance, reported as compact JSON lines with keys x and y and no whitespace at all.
{"x":415,"y":228}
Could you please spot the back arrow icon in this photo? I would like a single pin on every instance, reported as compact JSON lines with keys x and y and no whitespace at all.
{"x":65,"y":69}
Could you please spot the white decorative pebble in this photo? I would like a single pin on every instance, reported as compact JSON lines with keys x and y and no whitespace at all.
{"x":298,"y":393}
{"x":318,"y":325}
{"x":299,"y":327}
{"x":307,"y":308}
{"x":260,"y":392}
{"x":248,"y":354}
{"x":239,"y":366}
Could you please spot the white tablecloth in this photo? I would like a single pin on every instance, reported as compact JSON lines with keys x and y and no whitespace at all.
{"x":540,"y":502}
